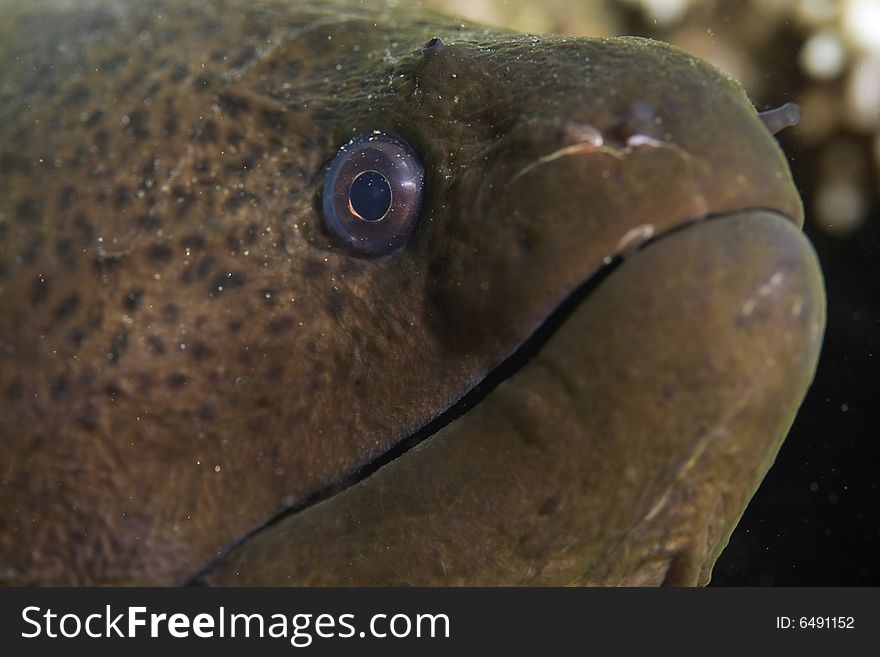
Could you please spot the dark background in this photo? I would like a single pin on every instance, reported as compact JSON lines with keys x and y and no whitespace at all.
{"x":816,"y":518}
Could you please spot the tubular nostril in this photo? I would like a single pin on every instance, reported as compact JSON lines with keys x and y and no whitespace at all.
{"x":433,"y":46}
{"x":640,"y":118}
{"x":782,"y":117}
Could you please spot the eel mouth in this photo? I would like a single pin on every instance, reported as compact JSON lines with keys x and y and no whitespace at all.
{"x":657,"y":503}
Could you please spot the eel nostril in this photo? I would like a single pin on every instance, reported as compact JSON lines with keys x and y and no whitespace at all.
{"x":641,"y":118}
{"x":782,"y":117}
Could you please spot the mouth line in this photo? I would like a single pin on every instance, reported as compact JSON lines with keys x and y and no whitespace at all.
{"x":512,"y":364}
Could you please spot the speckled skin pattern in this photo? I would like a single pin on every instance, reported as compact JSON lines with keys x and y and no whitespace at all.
{"x":184,"y":350}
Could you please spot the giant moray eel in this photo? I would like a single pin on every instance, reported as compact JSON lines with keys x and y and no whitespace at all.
{"x":570,"y":361}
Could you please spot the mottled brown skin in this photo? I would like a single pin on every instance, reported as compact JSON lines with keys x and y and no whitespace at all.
{"x":186,"y":353}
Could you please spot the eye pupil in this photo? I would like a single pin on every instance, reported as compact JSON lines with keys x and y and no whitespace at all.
{"x":370,"y":195}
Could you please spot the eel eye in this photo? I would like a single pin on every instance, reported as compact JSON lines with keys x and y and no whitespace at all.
{"x":373,"y":192}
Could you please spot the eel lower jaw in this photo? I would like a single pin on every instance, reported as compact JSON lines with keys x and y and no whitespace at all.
{"x":622,"y":451}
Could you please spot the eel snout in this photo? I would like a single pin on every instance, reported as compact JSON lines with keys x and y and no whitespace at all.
{"x":624,"y":452}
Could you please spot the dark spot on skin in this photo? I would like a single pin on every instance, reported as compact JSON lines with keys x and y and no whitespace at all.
{"x":66,"y":306}
{"x":435,"y":270}
{"x":155,"y":345}
{"x":273,"y":119}
{"x":10,"y":163}
{"x":209,"y":29}
{"x":95,"y":118}
{"x":549,"y":506}
{"x":67,"y":197}
{"x":79,"y":94}
{"x":160,"y":253}
{"x":79,"y":157}
{"x":244,"y":57}
{"x":279,"y":325}
{"x":668,"y":392}
{"x":199,"y":350}
{"x":86,"y":420}
{"x":131,"y":83}
{"x":112,"y":64}
{"x":205,"y":266}
{"x":350,"y":267}
{"x":117,"y":347}
{"x":257,"y":423}
{"x":137,"y":124}
{"x":275,"y":372}
{"x":149,"y":223}
{"x":58,"y":388}
{"x":235,"y":202}
{"x":170,"y":313}
{"x":202,"y":166}
{"x":64,"y":252}
{"x":234,"y":137}
{"x":170,"y":125}
{"x":234,"y":325}
{"x":290,"y":170}
{"x":207,"y":414}
{"x":76,"y":336}
{"x":241,"y":168}
{"x":251,"y":234}
{"x":227,"y":281}
{"x":102,"y":139}
{"x":13,"y":391}
{"x":525,"y":240}
{"x":179,"y":73}
{"x":104,"y":263}
{"x":28,"y":211}
{"x":192,"y":242}
{"x":334,"y":305}
{"x":85,"y":229}
{"x":112,"y":391}
{"x":132,"y":300}
{"x":39,"y":290}
{"x":144,"y":383}
{"x":232,"y":107}
{"x":176,"y":380}
{"x":208,"y":132}
{"x":201,"y":83}
{"x":122,"y":196}
{"x":21,"y":137}
{"x":169,"y":36}
{"x":152,"y":90}
{"x":184,"y":201}
{"x":313,"y":269}
{"x":32,"y":250}
{"x":151,"y":165}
